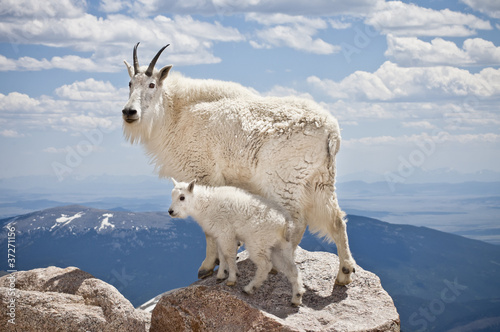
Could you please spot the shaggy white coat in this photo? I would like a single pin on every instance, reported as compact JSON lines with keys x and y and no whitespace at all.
{"x":229,"y":215}
{"x":221,"y":133}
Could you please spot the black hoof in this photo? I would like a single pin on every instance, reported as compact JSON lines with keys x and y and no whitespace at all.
{"x":219,"y":280}
{"x":217,"y":262}
{"x":202,"y":274}
{"x":273,"y":271}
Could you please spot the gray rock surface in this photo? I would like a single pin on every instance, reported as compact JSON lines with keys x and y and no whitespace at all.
{"x":55,"y":299}
{"x":207,"y":305}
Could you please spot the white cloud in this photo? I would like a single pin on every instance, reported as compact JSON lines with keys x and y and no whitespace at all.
{"x":282,"y":91}
{"x":230,"y":7}
{"x":402,"y":19}
{"x":87,"y":122}
{"x":112,"y":6}
{"x":19,"y":102}
{"x":418,"y":125}
{"x":439,"y":138}
{"x":279,"y":18}
{"x":352,"y":112}
{"x":339,"y":24}
{"x":111,"y":39}
{"x":392,"y":82}
{"x":411,"y":51}
{"x":82,"y":105}
{"x":54,"y":150}
{"x":89,"y":147}
{"x":482,"y":51}
{"x":370,"y":141}
{"x":474,"y":115}
{"x":67,"y":62}
{"x":37,"y":9}
{"x":91,"y":90}
{"x":10,"y":133}
{"x":296,"y":32}
{"x":488,"y":7}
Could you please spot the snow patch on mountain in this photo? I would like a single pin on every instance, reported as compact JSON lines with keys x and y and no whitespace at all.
{"x":64,"y":219}
{"x":105,"y":222}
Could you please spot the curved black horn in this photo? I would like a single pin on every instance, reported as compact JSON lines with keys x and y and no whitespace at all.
{"x":136,"y":62}
{"x":149,"y":71}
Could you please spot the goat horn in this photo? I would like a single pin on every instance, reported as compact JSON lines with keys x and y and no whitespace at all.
{"x":136,"y":62}
{"x":149,"y":71}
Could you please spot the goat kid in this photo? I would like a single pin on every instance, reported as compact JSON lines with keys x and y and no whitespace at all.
{"x":229,"y":215}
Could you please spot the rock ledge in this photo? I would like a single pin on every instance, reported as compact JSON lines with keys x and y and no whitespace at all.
{"x":206,"y":305}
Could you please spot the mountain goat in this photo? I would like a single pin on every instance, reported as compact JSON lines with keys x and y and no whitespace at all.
{"x":223,"y":134}
{"x":229,"y":215}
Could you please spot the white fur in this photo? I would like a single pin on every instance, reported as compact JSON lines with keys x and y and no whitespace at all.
{"x":229,"y":215}
{"x":221,"y":133}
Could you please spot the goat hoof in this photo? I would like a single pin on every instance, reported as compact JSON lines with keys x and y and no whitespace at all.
{"x":273,"y":271}
{"x":248,"y":291}
{"x":338,"y":283}
{"x":230,"y":283}
{"x":217,"y":262}
{"x":202,"y":274}
{"x":297,"y":302}
{"x":219,"y":280}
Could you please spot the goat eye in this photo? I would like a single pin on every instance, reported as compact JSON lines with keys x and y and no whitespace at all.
{"x":129,"y":84}
{"x":151,"y":85}
{"x":182,"y":198}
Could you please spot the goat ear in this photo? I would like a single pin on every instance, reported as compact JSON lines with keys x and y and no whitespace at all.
{"x":129,"y":68}
{"x":164,"y":73}
{"x":191,"y":186}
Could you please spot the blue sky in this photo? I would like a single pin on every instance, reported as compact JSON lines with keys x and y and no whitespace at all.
{"x":415,"y":87}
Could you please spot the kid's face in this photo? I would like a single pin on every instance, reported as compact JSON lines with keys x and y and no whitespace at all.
{"x":179,"y":203}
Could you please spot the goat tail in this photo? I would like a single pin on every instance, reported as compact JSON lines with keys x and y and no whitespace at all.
{"x":332,"y":148}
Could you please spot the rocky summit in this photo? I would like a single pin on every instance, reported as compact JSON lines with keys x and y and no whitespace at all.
{"x":69,"y":299}
{"x":207,"y":305}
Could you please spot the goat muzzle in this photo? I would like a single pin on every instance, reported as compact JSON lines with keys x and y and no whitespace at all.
{"x":129,"y":115}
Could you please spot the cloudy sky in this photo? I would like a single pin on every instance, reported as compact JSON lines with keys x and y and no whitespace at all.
{"x":414,"y":86}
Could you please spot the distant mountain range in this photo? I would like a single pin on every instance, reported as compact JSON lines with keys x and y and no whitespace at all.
{"x":439,"y":281}
{"x":464,"y":208}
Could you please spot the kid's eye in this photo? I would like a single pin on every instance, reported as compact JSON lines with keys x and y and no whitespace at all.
{"x":129,"y":84}
{"x":182,"y":197}
{"x":151,"y":85}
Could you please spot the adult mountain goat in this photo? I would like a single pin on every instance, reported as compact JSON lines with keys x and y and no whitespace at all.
{"x":221,"y":133}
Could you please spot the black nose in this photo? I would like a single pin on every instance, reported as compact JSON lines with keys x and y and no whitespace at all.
{"x":170,"y":212}
{"x":129,"y":112}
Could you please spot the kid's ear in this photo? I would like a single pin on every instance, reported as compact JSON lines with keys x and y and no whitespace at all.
{"x":191,"y":186}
